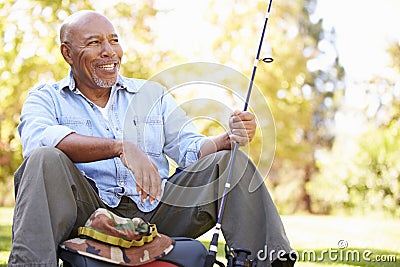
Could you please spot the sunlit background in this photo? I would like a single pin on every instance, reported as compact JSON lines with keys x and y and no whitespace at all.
{"x":333,"y":88}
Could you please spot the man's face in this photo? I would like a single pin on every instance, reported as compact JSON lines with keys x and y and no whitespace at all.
{"x":95,"y":53}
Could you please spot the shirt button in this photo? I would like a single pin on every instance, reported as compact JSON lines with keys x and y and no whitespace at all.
{"x":117,"y":129}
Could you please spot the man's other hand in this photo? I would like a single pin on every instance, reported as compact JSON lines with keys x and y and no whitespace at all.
{"x":148,"y":180}
{"x":242,"y":126}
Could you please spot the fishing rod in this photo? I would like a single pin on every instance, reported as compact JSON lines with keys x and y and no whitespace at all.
{"x":239,"y":256}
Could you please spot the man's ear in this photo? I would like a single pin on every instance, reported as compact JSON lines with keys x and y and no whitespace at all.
{"x":66,"y":53}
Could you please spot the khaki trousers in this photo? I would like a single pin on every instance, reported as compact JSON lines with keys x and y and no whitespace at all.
{"x":53,"y":199}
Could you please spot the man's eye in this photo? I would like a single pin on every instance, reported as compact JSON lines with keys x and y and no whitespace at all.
{"x":114,"y":40}
{"x":93,"y":42}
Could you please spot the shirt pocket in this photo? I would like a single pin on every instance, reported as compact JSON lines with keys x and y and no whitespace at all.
{"x":153,"y":135}
{"x":79,"y":125}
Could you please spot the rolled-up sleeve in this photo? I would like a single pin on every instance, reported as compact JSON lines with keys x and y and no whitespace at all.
{"x":52,"y":135}
{"x":39,"y":125}
{"x":192,"y":150}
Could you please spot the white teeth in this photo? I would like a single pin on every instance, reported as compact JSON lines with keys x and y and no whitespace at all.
{"x":107,"y":67}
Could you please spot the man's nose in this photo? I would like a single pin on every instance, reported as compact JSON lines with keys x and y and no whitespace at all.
{"x":107,"y":49}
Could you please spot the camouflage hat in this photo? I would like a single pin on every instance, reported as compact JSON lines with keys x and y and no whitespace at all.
{"x":122,"y":241}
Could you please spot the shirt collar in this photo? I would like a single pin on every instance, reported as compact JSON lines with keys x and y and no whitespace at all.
{"x":122,"y":83}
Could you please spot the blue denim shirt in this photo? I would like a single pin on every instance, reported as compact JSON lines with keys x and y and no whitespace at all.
{"x":140,"y":111}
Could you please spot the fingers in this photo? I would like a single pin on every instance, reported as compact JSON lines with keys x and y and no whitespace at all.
{"x":148,"y":180}
{"x":150,"y":185}
{"x":139,"y":183}
{"x":240,"y":137}
{"x":242,"y":127}
{"x":155,"y":192}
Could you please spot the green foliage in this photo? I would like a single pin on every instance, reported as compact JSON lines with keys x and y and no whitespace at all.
{"x":365,"y":179}
{"x":379,"y":182}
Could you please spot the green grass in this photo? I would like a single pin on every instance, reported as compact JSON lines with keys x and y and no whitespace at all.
{"x":314,"y":238}
{"x":5,"y":234}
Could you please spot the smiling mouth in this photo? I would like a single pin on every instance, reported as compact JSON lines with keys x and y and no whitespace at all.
{"x":108,"y":67}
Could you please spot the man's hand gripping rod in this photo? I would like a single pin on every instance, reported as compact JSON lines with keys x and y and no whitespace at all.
{"x":211,"y":257}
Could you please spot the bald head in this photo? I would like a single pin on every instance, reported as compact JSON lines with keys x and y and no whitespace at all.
{"x":76,"y":21}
